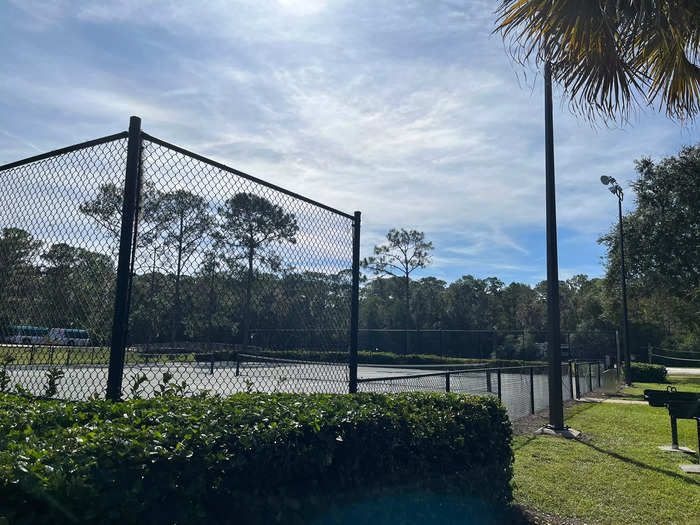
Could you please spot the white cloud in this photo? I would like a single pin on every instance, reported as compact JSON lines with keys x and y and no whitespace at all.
{"x":409,"y":112}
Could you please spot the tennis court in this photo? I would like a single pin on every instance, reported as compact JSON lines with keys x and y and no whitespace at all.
{"x":520,"y":389}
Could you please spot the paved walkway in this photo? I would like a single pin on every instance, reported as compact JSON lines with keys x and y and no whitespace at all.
{"x":676,"y":371}
{"x":613,"y":400}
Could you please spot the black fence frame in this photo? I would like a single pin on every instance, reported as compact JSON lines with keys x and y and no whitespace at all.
{"x":129,"y":231}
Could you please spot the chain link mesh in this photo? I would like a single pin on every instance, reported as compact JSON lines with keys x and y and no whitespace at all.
{"x":236,"y":284}
{"x":58,"y":268}
{"x":518,"y":392}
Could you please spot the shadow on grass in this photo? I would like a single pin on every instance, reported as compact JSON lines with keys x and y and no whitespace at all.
{"x":639,"y":464}
{"x":530,"y":438}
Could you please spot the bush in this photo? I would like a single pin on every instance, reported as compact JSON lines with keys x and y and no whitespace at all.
{"x":249,"y":458}
{"x":646,"y":373}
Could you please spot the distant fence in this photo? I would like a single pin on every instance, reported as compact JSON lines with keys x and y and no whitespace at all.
{"x":523,"y":390}
{"x":483,"y":344}
{"x":143,"y":243}
{"x":189,"y":369}
{"x":674,"y":359}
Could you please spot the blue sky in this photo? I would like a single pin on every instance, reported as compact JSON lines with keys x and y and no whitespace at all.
{"x":408,"y":111}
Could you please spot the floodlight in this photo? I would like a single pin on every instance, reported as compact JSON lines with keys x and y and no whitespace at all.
{"x":605,"y":179}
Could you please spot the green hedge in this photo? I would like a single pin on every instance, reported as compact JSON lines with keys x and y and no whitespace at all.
{"x":252,"y":458}
{"x":366,"y":357}
{"x":646,"y":373}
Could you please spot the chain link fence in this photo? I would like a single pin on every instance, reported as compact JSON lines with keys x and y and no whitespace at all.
{"x":522,"y":390}
{"x":132,"y":265}
{"x":527,"y":345}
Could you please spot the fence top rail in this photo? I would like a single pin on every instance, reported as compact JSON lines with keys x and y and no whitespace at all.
{"x":446,"y":372}
{"x":457,"y":372}
{"x":251,"y":178}
{"x":63,"y":151}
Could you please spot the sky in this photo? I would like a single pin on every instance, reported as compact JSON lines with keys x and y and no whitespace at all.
{"x":410,"y":112}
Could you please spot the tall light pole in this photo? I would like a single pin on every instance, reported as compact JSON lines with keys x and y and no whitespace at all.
{"x":556,"y":405}
{"x":616,"y":190}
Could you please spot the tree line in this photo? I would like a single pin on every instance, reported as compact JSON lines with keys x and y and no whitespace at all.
{"x":203,"y":272}
{"x":662,"y":253}
{"x":218,"y":273}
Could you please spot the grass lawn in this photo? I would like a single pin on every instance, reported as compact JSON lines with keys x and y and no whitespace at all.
{"x":75,"y":355}
{"x":682,"y":383}
{"x":615,"y":474}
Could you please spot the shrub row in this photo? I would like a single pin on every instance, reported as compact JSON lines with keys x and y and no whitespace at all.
{"x":250,"y":458}
{"x":367,"y":357}
{"x":646,"y":373}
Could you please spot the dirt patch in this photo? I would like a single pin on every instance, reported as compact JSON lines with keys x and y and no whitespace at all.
{"x":529,"y":424}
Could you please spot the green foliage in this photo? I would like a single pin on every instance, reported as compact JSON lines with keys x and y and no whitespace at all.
{"x":139,"y":381}
{"x":250,"y":458}
{"x":167,"y":388}
{"x":403,"y":253}
{"x":647,"y":373}
{"x":610,"y":56}
{"x":5,"y":378}
{"x":53,"y":378}
{"x":661,"y":252}
{"x":516,"y":346}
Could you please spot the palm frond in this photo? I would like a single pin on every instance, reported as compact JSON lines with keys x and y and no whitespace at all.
{"x":610,"y":54}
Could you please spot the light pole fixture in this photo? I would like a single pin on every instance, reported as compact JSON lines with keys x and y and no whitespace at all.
{"x":616,"y":190}
{"x":556,"y":404}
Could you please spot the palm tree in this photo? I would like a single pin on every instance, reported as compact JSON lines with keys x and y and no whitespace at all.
{"x":607,"y":55}
{"x":611,"y":55}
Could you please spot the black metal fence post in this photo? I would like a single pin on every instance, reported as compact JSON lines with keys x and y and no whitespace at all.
{"x":571,"y":382}
{"x":532,"y":391}
{"x":499,"y":383}
{"x":578,"y":381}
{"x":489,"y":388}
{"x":447,"y":381}
{"x":618,"y":364}
{"x":598,"y":374}
{"x":354,"y":302}
{"x":590,"y":377}
{"x":121,"y":296}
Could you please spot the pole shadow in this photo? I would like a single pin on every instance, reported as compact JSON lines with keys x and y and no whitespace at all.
{"x":639,"y":464}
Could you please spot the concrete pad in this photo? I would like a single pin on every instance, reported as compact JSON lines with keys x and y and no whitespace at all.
{"x":691,"y":469}
{"x":670,"y":448}
{"x":612,"y":400}
{"x":678,"y":371}
{"x":566,"y":432}
{"x":625,"y":401}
